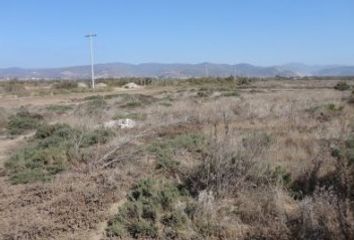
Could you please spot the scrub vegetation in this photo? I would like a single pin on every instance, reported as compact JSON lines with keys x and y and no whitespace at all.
{"x":208,"y":158}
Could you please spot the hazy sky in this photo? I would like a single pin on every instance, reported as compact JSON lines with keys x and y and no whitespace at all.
{"x":50,"y":33}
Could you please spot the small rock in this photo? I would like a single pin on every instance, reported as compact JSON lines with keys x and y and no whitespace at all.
{"x":131,"y":85}
{"x":121,"y":123}
{"x":101,"y":85}
{"x":82,"y":85}
{"x":126,"y":123}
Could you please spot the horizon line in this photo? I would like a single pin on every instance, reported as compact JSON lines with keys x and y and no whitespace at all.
{"x":185,"y":63}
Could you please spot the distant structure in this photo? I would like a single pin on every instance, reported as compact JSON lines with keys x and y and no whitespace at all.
{"x":90,"y":37}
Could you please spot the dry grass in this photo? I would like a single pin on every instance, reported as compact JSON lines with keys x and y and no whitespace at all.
{"x":265,"y":168}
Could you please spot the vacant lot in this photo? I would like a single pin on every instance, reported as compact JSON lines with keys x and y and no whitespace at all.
{"x":213,"y":159}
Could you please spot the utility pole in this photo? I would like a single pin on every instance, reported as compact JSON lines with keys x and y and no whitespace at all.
{"x":91,"y":36}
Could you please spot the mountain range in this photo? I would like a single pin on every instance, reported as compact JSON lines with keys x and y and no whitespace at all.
{"x":158,"y":70}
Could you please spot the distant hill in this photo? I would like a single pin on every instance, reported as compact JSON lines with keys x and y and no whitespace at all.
{"x":336,"y":71}
{"x":157,"y":70}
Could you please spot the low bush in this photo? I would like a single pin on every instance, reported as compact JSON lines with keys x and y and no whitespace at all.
{"x":3,"y":119}
{"x":351,"y":98}
{"x":150,"y":212}
{"x":44,"y":157}
{"x":59,"y":109}
{"x":166,"y":149}
{"x":94,"y":105}
{"x":231,"y":94}
{"x":136,"y":100}
{"x":204,"y":93}
{"x":244,"y":81}
{"x":52,"y":150}
{"x":333,"y":108}
{"x":23,"y":121}
{"x":134,"y":116}
{"x":325,"y":112}
{"x":342,"y":86}
{"x":227,"y":168}
{"x":97,"y":136}
{"x":94,"y":97}
{"x":14,"y":87}
{"x":68,"y":85}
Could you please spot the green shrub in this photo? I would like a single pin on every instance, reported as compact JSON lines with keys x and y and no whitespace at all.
{"x":134,"y":116}
{"x":59,"y":109}
{"x":65,"y":85}
{"x":205,"y":92}
{"x":342,"y":86}
{"x":142,"y":229}
{"x":281,"y":175}
{"x":36,"y":163}
{"x":165,"y":150}
{"x":59,"y":130}
{"x":50,"y":152}
{"x":244,"y":81}
{"x":351,"y":98}
{"x":94,"y":97}
{"x":149,"y":203}
{"x":94,"y":106}
{"x":44,"y":157}
{"x":23,"y":121}
{"x":132,"y":104}
{"x":136,"y":100}
{"x":15,"y":87}
{"x":98,"y":136}
{"x":174,"y":219}
{"x":165,"y":104}
{"x":333,"y":108}
{"x":3,"y":118}
{"x":230,"y":94}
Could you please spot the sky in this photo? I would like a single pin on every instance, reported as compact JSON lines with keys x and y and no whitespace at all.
{"x":50,"y":33}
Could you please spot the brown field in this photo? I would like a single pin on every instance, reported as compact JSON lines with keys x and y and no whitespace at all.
{"x":271,"y":159}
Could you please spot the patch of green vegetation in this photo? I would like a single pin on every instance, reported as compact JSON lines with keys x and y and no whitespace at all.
{"x":23,"y":121}
{"x":205,"y":92}
{"x":165,"y":104}
{"x":279,"y":174}
{"x":333,"y":108}
{"x":132,"y":104}
{"x":14,"y":87}
{"x":45,"y":157}
{"x":93,"y":106}
{"x":93,"y":97}
{"x":244,"y":81}
{"x":68,"y":85}
{"x":3,"y":118}
{"x":342,"y":86}
{"x":97,"y":136}
{"x":50,"y":152}
{"x":348,"y":151}
{"x":326,"y":112}
{"x":136,"y":100}
{"x":150,"y":212}
{"x":165,"y":149}
{"x":112,"y":96}
{"x":230,"y":94}
{"x":134,"y":116}
{"x":59,"y":109}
